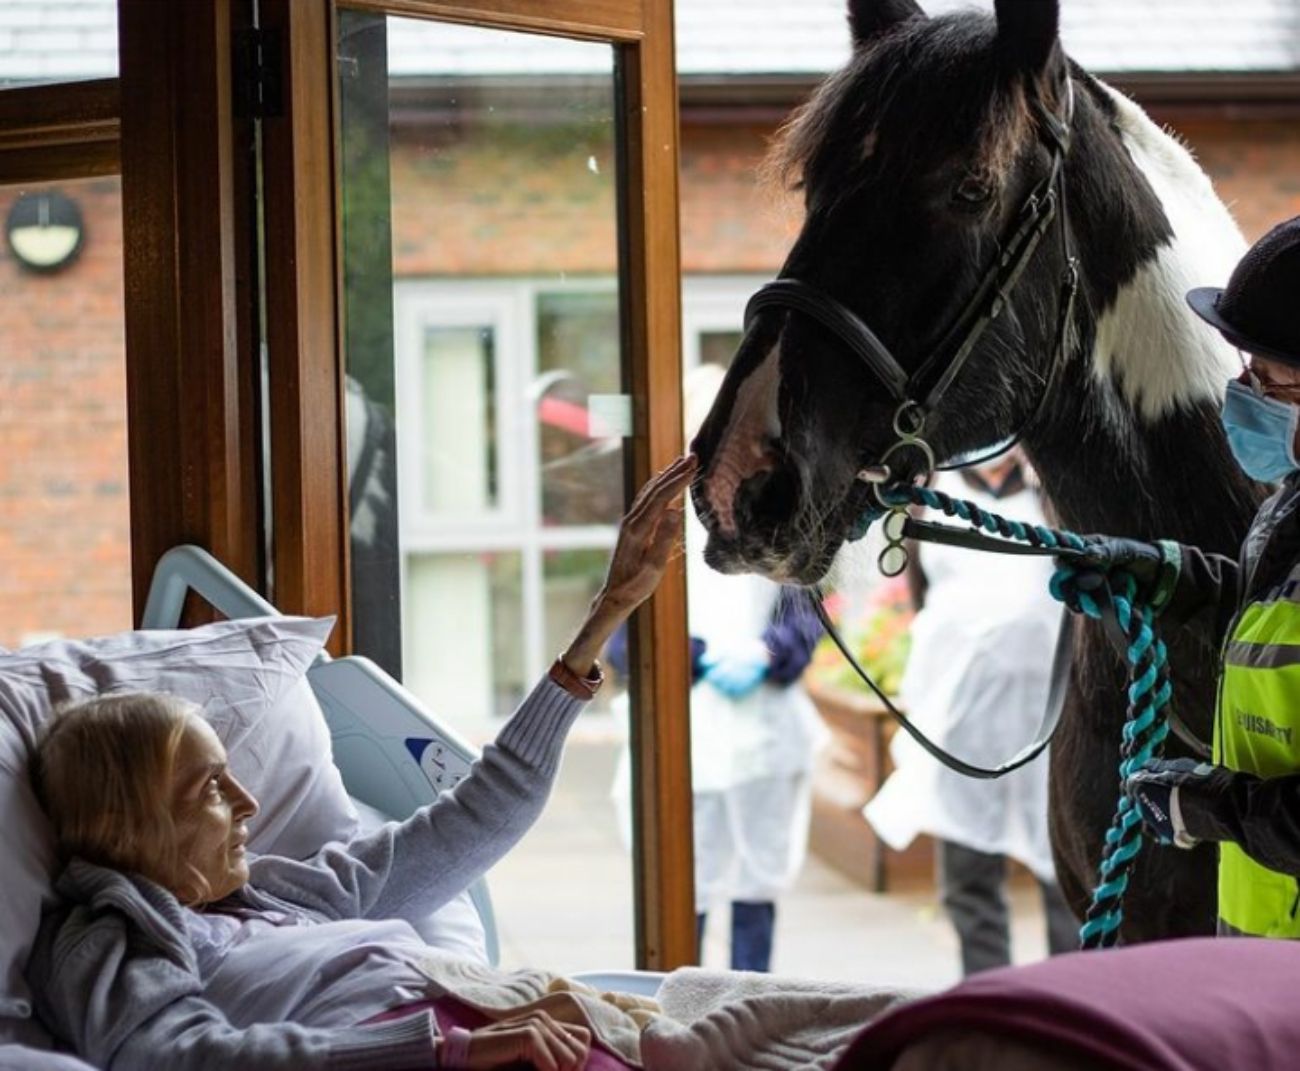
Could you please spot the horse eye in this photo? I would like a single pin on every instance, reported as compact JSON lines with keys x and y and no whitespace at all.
{"x":972,"y":191}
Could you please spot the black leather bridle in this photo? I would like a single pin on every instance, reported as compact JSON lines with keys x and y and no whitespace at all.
{"x":918,"y":393}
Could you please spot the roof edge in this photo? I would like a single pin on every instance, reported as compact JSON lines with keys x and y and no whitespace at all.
{"x":1255,"y":94}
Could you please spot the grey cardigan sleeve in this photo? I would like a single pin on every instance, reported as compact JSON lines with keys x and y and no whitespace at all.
{"x":191,"y":1035}
{"x":407,"y":869}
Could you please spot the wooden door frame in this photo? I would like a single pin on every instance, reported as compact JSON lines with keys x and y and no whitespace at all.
{"x":187,"y":266}
{"x":191,"y":442}
{"x":51,"y":133}
{"x":310,"y":556}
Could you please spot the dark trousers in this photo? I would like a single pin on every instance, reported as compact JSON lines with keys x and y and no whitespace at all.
{"x":752,"y":926}
{"x":973,"y":888}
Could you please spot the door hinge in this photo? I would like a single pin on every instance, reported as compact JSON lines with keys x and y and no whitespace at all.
{"x":259,"y":83}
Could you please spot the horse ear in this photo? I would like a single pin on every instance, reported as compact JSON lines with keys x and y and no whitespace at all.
{"x":868,"y":18}
{"x":1027,"y":32}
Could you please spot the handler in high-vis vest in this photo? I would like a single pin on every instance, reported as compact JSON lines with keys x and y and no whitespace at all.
{"x":1249,"y":801}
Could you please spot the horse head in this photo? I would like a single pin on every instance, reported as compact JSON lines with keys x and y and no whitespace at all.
{"x":921,"y":163}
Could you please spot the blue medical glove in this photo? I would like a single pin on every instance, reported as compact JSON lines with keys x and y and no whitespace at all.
{"x":735,"y":674}
{"x":1156,"y":789}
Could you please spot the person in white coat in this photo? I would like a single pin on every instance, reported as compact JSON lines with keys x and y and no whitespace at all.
{"x":754,"y":732}
{"x":976,"y":682}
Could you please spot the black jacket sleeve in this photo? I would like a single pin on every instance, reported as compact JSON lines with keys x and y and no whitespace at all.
{"x":1262,"y":815}
{"x":1205,"y":595}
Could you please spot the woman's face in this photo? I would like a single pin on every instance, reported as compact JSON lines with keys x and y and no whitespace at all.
{"x":210,"y":809}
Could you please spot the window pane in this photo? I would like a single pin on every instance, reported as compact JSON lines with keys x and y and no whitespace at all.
{"x":65,"y":549}
{"x":458,"y":459}
{"x":485,"y":367}
{"x":464,"y":614}
{"x":578,"y":356}
{"x":57,"y":41}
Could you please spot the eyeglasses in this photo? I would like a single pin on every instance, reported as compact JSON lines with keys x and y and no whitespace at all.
{"x":1264,"y":388}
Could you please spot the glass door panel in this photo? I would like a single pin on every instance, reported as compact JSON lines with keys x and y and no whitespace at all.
{"x":65,"y":548}
{"x":484,"y":344}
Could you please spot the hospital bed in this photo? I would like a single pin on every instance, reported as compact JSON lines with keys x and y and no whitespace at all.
{"x":395,"y":756}
{"x":393,"y":753}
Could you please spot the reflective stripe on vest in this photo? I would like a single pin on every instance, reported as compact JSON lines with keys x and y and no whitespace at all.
{"x":1257,"y":730}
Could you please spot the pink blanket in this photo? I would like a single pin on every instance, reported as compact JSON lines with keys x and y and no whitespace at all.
{"x":1193,"y":1005}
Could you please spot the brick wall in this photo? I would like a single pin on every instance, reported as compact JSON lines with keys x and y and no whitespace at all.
{"x":64,"y":551}
{"x":500,"y":213}
{"x":64,"y":539}
{"x":1255,"y":167}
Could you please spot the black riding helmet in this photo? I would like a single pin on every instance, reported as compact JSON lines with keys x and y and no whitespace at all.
{"x":1257,"y":311}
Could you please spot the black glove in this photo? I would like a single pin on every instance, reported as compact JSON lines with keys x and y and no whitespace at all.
{"x":1155,"y":567}
{"x":1143,"y":560}
{"x":1165,"y":789}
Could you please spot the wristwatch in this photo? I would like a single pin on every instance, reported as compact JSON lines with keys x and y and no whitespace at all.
{"x":583,"y":688}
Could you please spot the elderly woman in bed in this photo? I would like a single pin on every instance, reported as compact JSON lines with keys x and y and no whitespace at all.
{"x":172,"y":948}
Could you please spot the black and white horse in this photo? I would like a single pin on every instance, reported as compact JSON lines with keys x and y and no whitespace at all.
{"x":914,"y":160}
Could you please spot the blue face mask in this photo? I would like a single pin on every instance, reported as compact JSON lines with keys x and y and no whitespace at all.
{"x":1261,"y":432}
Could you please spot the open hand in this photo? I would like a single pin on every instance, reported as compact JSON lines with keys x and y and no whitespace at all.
{"x":534,"y":1039}
{"x":646,"y":538}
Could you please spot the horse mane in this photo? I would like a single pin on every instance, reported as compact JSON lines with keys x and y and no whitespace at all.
{"x":868,"y":85}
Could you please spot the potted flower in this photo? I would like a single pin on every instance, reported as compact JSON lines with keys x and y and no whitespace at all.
{"x":879,"y":639}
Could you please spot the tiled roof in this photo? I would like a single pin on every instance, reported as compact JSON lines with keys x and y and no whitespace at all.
{"x":44,"y":40}
{"x":1107,"y":36}
{"x":49,"y":39}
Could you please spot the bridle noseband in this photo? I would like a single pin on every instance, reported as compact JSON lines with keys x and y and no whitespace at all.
{"x":918,"y":393}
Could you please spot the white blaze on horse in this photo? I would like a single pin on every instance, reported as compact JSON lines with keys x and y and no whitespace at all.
{"x":921,"y":162}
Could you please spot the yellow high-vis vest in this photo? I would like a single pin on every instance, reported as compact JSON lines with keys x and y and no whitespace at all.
{"x":1257,"y":730}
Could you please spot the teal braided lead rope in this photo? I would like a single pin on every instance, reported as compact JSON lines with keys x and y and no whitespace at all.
{"x":1144,"y":735}
{"x":1036,"y":535}
{"x":1149,"y":691}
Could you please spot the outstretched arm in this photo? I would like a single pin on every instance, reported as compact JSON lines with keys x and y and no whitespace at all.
{"x":408,"y":869}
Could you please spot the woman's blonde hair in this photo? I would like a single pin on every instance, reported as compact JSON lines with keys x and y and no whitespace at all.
{"x":103,"y":772}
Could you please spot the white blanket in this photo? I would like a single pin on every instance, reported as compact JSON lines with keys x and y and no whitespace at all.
{"x":740,"y":1021}
{"x":710,"y":1021}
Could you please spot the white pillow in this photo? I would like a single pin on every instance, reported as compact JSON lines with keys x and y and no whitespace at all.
{"x":248,"y":676}
{"x":285,"y":760}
